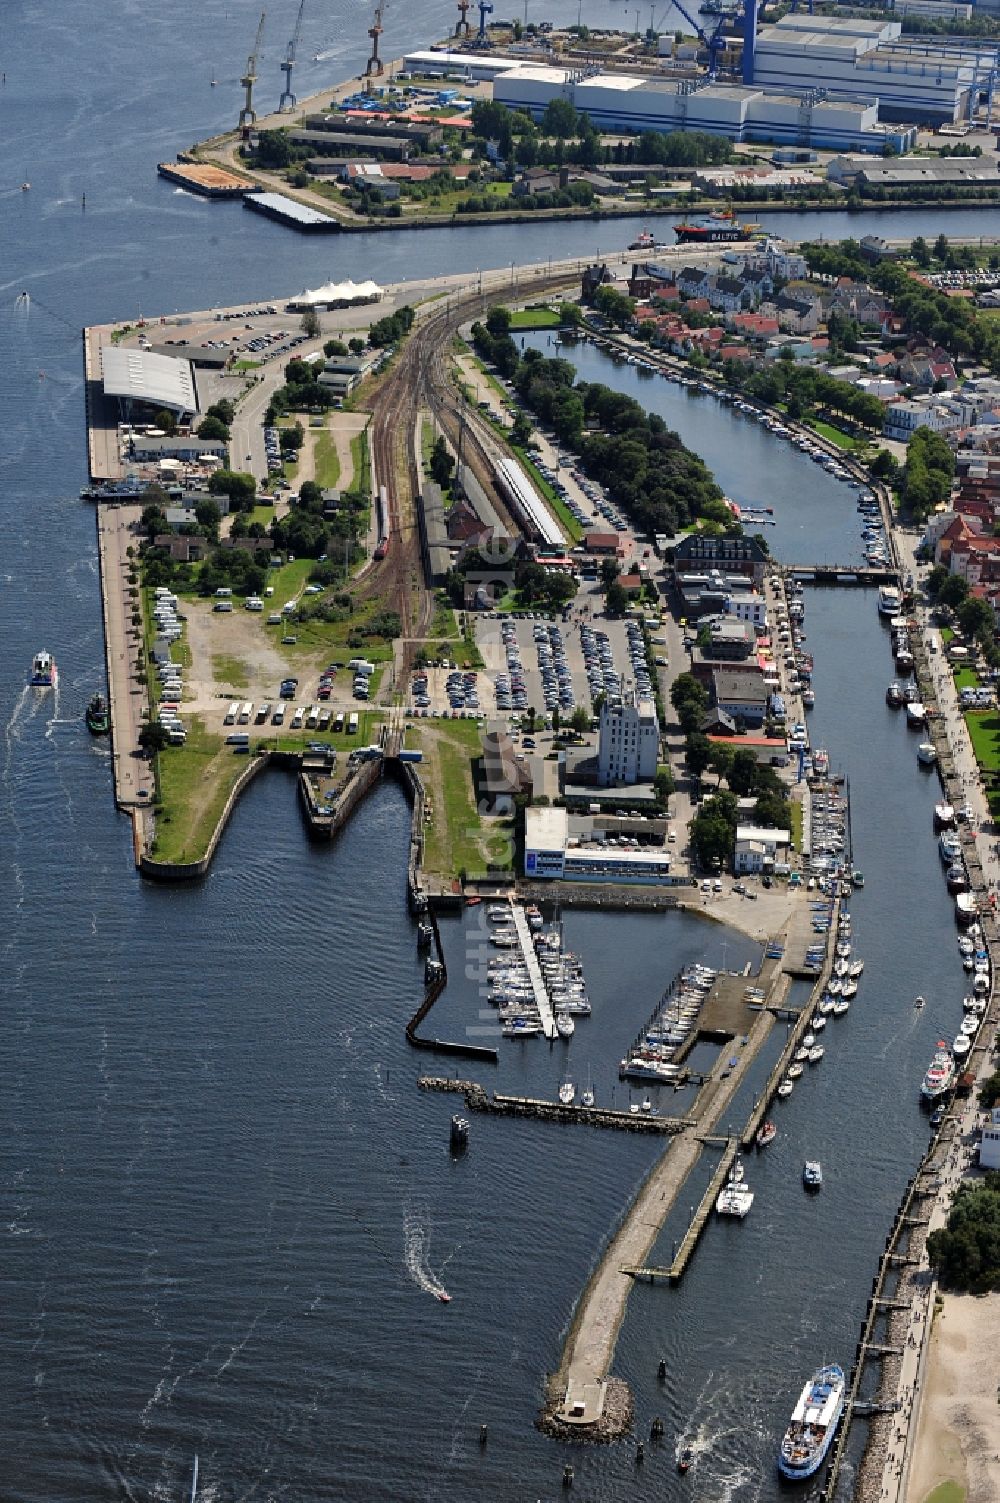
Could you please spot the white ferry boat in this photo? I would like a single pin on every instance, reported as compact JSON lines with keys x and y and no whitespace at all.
{"x":813,"y":1423}
{"x":889,"y":601}
{"x":940,"y":1073}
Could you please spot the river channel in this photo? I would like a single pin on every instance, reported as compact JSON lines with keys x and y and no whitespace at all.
{"x":222,"y":1198}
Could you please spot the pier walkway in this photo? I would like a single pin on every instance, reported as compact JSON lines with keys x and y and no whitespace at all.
{"x":133,"y":775}
{"x":534,"y":970}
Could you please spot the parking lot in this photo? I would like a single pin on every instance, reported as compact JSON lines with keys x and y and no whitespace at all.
{"x":535,"y":661}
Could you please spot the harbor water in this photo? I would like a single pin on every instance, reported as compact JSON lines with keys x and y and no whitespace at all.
{"x":225,"y":1208}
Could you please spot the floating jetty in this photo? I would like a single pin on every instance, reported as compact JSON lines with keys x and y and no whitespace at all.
{"x":698,"y":1221}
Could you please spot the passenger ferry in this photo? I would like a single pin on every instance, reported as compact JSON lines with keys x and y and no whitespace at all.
{"x":940,"y":1073}
{"x":889,"y":601}
{"x":813,"y":1423}
{"x":43,"y":670}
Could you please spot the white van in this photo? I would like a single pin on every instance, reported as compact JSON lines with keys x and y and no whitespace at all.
{"x":278,"y":718}
{"x":289,"y":608}
{"x":223,"y":593}
{"x":231,"y":713}
{"x":246,"y":711}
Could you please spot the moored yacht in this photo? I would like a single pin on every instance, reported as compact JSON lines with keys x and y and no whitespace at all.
{"x":889,"y":601}
{"x":940,"y":1073}
{"x":965,"y":908}
{"x":916,"y":714}
{"x":944,"y":816}
{"x":927,"y":753}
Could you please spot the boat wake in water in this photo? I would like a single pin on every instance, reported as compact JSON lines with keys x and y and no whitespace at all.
{"x":713,"y":1440}
{"x":416,"y":1248}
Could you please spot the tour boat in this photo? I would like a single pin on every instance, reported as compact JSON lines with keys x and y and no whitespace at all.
{"x":97,"y":716}
{"x":813,"y":1424}
{"x":940,"y":1073}
{"x":812,"y":1174}
{"x":43,"y":670}
{"x":927,"y":753}
{"x":889,"y":601}
{"x":916,"y":714}
{"x":944,"y":816}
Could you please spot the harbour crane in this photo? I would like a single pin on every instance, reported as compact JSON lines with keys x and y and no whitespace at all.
{"x":374,"y":67}
{"x":248,"y":117}
{"x":714,"y":42}
{"x":288,"y":100}
{"x":463,"y":28}
{"x":485,"y":9}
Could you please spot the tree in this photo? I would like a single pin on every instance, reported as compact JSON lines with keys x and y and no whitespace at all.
{"x":240,"y":487}
{"x":498,"y":321}
{"x":663,"y":786}
{"x":166,"y":420}
{"x":223,"y":410}
{"x":209,"y":516}
{"x":154,"y":736}
{"x":609,"y":572}
{"x":976,"y":617}
{"x":356,"y":345}
{"x":559,"y":119}
{"x":686,"y":688}
{"x":742,"y":777}
{"x":721,"y":760}
{"x":920,"y":251}
{"x":953,"y":591}
{"x":335,"y":347}
{"x":941,"y":247}
{"x":310,"y":324}
{"x":274,"y":149}
{"x":616,"y":600}
{"x":442,"y":464}
{"x":697,"y":753}
{"x":521,"y":431}
{"x":581,"y":719}
{"x":211,"y":427}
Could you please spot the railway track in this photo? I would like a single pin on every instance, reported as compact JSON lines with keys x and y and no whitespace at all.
{"x":419,"y":379}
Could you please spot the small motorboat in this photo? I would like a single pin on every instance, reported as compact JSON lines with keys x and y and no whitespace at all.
{"x":786,"y":1088}
{"x":816,"y":1054}
{"x":794,"y":1070}
{"x":818,"y":1024}
{"x":840,"y":1007}
{"x":767,"y":1133}
{"x":801,"y":1055}
{"x":565,"y":1026}
{"x":849,"y":989}
{"x":443,"y":1296}
{"x":919,"y":1002}
{"x":812,"y":1174}
{"x":685,"y":1459}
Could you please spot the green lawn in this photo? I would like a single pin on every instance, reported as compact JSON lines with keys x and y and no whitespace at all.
{"x":833,"y":435}
{"x":262,"y":514}
{"x":327,"y":461}
{"x":534,"y":318}
{"x":194,"y":782}
{"x":289,"y":580}
{"x":947,"y":1492}
{"x":361,"y":480}
{"x":240,"y":366}
{"x":456,"y":839}
{"x":947,"y":635}
{"x":984,"y":733}
{"x":966,"y":678}
{"x":795,"y":813}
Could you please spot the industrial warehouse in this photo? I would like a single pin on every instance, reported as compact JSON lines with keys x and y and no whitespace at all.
{"x":827,"y":82}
